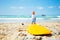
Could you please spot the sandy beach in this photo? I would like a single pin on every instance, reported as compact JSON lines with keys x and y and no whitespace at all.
{"x":29,"y":19}
{"x":17,"y":31}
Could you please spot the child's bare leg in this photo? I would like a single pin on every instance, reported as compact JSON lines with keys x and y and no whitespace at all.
{"x":34,"y":22}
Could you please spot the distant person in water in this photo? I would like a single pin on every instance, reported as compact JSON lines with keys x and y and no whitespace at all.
{"x":33,"y":18}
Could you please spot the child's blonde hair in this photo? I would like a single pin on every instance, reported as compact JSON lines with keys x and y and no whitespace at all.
{"x":33,"y":13}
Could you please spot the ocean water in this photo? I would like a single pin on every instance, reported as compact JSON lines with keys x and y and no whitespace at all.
{"x":18,"y":18}
{"x":24,"y":16}
{"x":14,"y":16}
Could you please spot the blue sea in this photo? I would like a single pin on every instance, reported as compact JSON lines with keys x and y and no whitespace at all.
{"x":24,"y":16}
{"x":21,"y":18}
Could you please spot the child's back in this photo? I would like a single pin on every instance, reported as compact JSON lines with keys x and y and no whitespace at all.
{"x":33,"y":17}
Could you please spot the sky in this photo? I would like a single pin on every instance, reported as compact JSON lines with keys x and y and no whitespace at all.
{"x":26,"y":7}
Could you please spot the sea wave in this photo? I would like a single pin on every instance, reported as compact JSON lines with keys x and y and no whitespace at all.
{"x":29,"y":20}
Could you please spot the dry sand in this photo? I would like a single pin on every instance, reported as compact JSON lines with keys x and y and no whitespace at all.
{"x":17,"y":31}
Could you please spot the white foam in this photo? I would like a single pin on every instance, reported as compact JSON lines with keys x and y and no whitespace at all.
{"x":28,"y":19}
{"x":58,"y":16}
